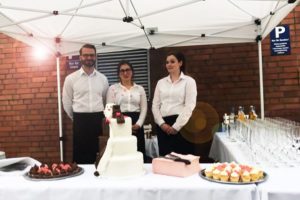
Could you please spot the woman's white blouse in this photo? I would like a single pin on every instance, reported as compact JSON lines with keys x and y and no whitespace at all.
{"x":130,"y":100}
{"x":178,"y":98}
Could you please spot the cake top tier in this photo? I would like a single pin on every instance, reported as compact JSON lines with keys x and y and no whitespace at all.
{"x":119,"y":125}
{"x":114,"y":111}
{"x":120,"y":130}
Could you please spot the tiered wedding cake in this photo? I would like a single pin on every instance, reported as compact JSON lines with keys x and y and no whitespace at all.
{"x":121,"y":158}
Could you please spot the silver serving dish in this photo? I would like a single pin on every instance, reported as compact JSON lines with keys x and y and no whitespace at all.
{"x":202,"y":175}
{"x":53,"y":178}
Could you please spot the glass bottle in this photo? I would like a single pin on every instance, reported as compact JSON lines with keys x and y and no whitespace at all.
{"x":241,"y":114}
{"x":252,"y":113}
{"x":225,"y":123}
{"x":231,"y":116}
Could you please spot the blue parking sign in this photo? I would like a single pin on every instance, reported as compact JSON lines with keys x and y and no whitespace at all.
{"x":73,"y":62}
{"x":280,"y":40}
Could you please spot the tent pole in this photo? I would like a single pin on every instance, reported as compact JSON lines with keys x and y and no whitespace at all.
{"x":261,"y":84}
{"x":59,"y":108}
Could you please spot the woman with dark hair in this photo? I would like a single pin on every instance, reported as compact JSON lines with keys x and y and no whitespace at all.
{"x":132,"y":100}
{"x":174,"y":100}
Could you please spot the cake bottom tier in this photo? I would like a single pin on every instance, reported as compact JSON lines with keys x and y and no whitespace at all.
{"x":125,"y":166}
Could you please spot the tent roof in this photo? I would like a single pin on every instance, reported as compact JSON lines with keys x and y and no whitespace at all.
{"x":155,"y":23}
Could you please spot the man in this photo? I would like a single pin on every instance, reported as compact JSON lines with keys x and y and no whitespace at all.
{"x":83,"y":98}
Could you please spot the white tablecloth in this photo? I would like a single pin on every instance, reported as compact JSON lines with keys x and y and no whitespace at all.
{"x":148,"y":187}
{"x":225,"y":150}
{"x":282,"y":183}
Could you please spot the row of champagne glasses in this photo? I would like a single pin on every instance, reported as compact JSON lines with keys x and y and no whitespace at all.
{"x":272,"y":141}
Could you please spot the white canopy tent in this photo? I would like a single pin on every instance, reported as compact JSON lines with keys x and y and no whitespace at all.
{"x":148,"y":23}
{"x":116,"y":25}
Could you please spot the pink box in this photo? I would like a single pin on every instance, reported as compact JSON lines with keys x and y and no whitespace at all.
{"x":167,"y":166}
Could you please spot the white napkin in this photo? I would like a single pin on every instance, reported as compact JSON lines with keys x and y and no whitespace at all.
{"x":16,"y":166}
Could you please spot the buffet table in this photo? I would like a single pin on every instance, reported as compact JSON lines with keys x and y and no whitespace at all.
{"x":282,"y":182}
{"x":225,"y":150}
{"x":148,"y":187}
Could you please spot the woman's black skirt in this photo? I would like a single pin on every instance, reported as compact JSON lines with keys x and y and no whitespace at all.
{"x":172,"y":143}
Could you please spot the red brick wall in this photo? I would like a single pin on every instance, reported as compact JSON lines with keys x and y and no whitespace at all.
{"x":28,"y":102}
{"x":226,"y":75}
{"x":282,"y":74}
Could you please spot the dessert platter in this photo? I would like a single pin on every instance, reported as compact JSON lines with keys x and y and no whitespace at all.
{"x":55,"y":171}
{"x":232,"y":173}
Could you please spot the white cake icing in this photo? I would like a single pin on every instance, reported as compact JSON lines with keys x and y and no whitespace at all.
{"x":120,"y":130}
{"x":125,"y":166}
{"x":122,"y":146}
{"x":121,"y":158}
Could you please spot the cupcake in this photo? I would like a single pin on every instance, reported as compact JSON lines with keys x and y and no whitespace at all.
{"x":254,"y":173}
{"x":209,"y":172}
{"x":216,"y":174}
{"x":221,"y":167}
{"x":237,"y":169}
{"x":232,"y":164}
{"x":228,"y":169}
{"x":215,"y":165}
{"x":246,"y":177}
{"x":260,"y":172}
{"x":234,"y":177}
{"x":225,"y":164}
{"x":224,"y":176}
{"x":246,"y":168}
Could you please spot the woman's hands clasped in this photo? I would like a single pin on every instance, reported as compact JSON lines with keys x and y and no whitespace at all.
{"x":168,"y":129}
{"x":135,"y":128}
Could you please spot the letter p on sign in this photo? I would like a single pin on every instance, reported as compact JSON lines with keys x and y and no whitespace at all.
{"x":279,"y":30}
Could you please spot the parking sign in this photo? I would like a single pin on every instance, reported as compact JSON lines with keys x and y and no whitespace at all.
{"x":280,"y":40}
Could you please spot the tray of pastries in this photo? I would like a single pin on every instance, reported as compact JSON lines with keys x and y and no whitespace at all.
{"x":233,"y":173}
{"x":54,"y":171}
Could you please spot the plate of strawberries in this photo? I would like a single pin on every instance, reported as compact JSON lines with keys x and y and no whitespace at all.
{"x":54,"y":171}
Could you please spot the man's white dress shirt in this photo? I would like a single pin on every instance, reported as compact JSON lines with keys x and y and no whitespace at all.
{"x":84,"y":93}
